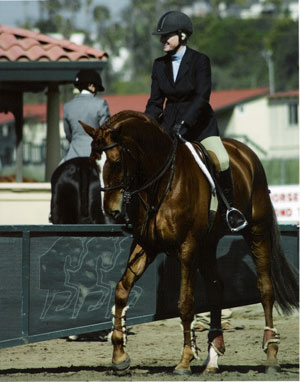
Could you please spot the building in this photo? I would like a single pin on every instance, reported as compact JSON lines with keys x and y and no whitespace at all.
{"x":267,"y":123}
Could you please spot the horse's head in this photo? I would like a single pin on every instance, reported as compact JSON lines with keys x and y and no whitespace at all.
{"x":127,"y":142}
{"x":106,"y":154}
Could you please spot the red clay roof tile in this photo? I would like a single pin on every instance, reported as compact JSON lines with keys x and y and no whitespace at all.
{"x":18,"y":44}
{"x":290,"y":93}
{"x":219,"y":99}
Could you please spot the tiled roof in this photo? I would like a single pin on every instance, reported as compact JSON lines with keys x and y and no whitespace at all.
{"x":18,"y":44}
{"x":219,"y":100}
{"x":289,"y":94}
{"x":222,"y":99}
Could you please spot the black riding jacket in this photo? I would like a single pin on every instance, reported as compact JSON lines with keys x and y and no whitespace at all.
{"x":187,"y":99}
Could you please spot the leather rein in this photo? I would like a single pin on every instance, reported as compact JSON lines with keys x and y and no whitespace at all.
{"x":127,"y":180}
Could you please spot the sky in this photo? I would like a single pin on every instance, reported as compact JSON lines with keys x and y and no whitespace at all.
{"x":15,"y":12}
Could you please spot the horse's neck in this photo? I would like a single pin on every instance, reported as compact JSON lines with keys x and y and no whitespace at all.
{"x":154,"y":158}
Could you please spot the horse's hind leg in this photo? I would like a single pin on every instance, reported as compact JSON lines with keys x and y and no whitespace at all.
{"x":259,"y":241}
{"x":135,"y":268}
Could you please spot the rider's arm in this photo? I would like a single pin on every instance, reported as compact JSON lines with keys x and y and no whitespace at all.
{"x":67,"y":128}
{"x":154,"y":106}
{"x":199,"y":105}
{"x":103,"y":113}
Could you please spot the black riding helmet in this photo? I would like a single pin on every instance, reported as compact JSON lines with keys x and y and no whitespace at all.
{"x":174,"y":21}
{"x":85,"y":77}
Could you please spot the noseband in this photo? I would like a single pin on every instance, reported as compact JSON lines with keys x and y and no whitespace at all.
{"x":128,"y":180}
{"x":126,"y":185}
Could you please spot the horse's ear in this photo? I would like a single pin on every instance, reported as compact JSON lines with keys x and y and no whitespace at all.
{"x":88,"y":129}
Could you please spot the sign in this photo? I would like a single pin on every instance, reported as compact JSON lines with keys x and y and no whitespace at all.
{"x":286,"y":201}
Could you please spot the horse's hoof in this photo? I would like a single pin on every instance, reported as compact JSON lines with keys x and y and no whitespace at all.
{"x":182,"y":371}
{"x":211,"y":370}
{"x":272,"y":369}
{"x":121,"y":368}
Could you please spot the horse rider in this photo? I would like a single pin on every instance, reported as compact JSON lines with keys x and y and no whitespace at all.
{"x":182,"y":77}
{"x":85,"y":107}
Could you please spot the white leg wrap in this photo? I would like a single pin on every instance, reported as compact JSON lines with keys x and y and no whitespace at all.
{"x":194,"y":347}
{"x":211,"y":361}
{"x":271,"y":340}
{"x":123,"y":324}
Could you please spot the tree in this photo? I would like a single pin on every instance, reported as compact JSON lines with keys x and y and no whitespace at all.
{"x":57,"y":16}
{"x":217,"y":4}
{"x":282,"y":40}
{"x":235,"y":48}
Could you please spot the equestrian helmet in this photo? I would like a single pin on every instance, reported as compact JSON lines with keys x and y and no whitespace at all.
{"x":174,"y":21}
{"x":85,"y":77}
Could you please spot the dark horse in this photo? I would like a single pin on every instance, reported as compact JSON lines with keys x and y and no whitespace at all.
{"x":75,"y":193}
{"x":76,"y":199}
{"x":159,"y":186}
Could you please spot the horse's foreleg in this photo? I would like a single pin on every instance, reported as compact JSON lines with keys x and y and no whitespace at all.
{"x":186,"y":311}
{"x":135,"y":268}
{"x":260,"y":247}
{"x":214,"y":291}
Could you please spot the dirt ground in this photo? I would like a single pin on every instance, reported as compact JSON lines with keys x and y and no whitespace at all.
{"x":155,"y":349}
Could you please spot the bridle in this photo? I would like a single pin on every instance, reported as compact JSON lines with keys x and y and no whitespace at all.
{"x":126,"y":185}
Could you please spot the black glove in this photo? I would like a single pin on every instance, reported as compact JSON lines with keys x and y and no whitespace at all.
{"x":178,"y":129}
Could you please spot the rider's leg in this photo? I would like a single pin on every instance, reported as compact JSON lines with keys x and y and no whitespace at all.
{"x":220,"y":159}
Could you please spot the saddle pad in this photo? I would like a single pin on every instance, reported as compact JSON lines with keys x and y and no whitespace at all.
{"x":202,"y":166}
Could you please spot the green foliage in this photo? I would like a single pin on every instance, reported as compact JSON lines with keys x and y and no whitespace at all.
{"x":235,"y":46}
{"x":235,"y":49}
{"x":138,"y":86}
{"x":283,"y":42}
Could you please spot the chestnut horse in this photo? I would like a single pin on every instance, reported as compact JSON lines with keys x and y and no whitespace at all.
{"x":157,"y":184}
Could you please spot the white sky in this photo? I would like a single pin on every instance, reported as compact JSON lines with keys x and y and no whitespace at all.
{"x":14,"y":12}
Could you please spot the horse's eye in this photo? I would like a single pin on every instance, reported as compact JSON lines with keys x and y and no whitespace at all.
{"x":116,"y":165}
{"x":96,"y":147}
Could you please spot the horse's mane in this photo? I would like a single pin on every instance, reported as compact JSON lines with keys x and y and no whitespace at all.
{"x":142,"y":129}
{"x":123,"y":115}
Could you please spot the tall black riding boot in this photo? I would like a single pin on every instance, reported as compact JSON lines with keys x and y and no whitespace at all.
{"x":233,"y":217}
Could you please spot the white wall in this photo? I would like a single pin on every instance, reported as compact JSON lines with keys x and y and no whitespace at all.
{"x":251,"y":119}
{"x":268,"y":126}
{"x":24,"y":203}
{"x":284,"y":138}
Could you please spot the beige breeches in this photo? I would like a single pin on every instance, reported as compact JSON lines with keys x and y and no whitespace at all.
{"x":217,"y":152}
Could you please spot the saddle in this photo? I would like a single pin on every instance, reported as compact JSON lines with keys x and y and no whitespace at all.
{"x":207,"y":160}
{"x":217,"y":190}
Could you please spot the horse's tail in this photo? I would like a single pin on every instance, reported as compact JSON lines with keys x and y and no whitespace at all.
{"x":285,"y":277}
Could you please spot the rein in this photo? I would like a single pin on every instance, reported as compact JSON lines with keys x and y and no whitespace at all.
{"x":157,"y":176}
{"x":129,"y":194}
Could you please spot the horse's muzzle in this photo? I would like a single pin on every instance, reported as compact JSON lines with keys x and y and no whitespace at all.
{"x":117,"y":216}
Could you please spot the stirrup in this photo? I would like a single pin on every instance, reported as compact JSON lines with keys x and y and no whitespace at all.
{"x":241,"y":226}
